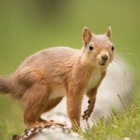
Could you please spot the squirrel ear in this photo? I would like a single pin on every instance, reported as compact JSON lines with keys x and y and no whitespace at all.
{"x":86,"y":35}
{"x":109,"y":32}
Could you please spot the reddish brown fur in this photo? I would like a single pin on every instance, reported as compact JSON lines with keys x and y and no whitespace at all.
{"x":44,"y":78}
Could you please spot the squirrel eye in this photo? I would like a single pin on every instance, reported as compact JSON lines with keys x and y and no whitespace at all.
{"x":112,"y":48}
{"x":91,"y":47}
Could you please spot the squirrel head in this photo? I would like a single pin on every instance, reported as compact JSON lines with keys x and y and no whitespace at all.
{"x":98,"y":49}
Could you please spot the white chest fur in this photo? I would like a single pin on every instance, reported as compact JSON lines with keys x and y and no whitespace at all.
{"x":94,"y":79}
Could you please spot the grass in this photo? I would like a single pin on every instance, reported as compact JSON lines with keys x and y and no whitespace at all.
{"x":119,"y":126}
{"x":10,"y":118}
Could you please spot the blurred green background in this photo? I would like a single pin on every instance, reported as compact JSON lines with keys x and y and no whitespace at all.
{"x":27,"y":26}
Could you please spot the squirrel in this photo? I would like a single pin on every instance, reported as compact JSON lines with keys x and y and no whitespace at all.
{"x":44,"y":78}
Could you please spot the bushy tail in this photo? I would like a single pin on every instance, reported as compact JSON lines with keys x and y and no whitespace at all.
{"x":4,"y":85}
{"x":11,"y":85}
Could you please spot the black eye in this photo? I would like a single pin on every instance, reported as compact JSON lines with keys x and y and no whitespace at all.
{"x":112,"y":48}
{"x":91,"y":47}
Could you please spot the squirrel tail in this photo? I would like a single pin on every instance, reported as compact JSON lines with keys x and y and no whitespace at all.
{"x":4,"y":85}
{"x":10,"y":85}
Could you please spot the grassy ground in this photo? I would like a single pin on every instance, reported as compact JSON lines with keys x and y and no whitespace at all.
{"x":25,"y":28}
{"x":11,"y":121}
{"x":119,"y":127}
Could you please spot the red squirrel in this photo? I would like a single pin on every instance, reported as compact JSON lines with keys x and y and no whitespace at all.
{"x":44,"y":78}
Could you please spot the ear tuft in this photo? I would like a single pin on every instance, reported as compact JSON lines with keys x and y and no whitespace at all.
{"x":109,"y":32}
{"x":86,"y":35}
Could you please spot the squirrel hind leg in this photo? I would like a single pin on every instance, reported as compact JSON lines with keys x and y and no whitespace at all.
{"x":50,"y":105}
{"x":35,"y":99}
{"x":36,"y":103}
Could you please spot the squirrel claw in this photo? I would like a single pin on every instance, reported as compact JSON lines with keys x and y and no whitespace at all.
{"x":86,"y":114}
{"x":89,"y":101}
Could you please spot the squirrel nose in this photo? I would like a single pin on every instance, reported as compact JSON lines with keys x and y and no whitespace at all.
{"x":104,"y":57}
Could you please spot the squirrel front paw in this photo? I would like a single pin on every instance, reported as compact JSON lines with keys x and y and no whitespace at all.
{"x":86,"y":114}
{"x":88,"y":111}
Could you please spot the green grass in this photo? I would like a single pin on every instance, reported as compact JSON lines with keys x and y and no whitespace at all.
{"x":118,"y":127}
{"x":11,"y":121}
